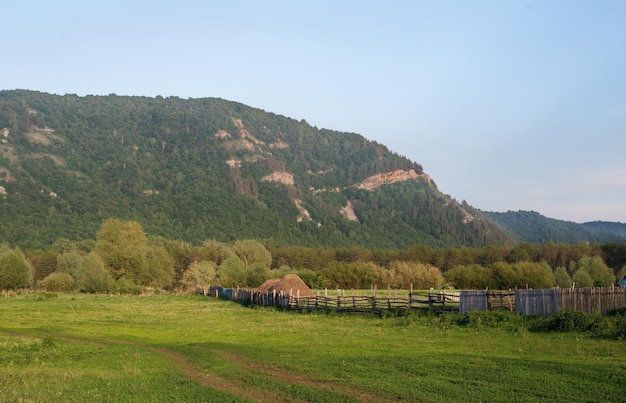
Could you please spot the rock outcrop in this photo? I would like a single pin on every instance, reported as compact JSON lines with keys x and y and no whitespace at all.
{"x":281,"y":177}
{"x":399,"y":175}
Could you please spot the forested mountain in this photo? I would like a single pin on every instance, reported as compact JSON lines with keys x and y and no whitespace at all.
{"x":197,"y":169}
{"x":616,"y":228}
{"x":530,"y":226}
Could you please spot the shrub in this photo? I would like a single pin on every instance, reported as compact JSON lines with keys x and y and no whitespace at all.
{"x":486,"y":319}
{"x":58,"y":282}
{"x":576,"y":321}
{"x":126,"y":286}
{"x":618,"y":318}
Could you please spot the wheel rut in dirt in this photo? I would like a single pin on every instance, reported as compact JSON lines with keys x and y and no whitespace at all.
{"x":183,"y":365}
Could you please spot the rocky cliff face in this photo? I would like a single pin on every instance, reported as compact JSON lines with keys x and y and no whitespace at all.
{"x":399,"y":175}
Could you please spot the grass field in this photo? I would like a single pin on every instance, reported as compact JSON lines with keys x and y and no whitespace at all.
{"x":77,"y":348}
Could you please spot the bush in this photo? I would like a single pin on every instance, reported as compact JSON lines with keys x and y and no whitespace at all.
{"x":126,"y":286}
{"x":58,"y":282}
{"x":618,"y":318}
{"x":576,"y":321}
{"x":486,"y":319}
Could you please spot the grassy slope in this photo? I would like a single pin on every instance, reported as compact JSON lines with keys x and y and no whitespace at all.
{"x":167,"y":348}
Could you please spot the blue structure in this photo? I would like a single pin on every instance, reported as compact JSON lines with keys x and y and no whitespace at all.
{"x":622,"y":282}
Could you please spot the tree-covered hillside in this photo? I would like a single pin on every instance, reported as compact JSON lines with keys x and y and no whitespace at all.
{"x":197,"y":169}
{"x":616,"y":228}
{"x":530,"y":226}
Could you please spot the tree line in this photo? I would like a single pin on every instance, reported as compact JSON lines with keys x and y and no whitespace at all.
{"x":123,"y":258}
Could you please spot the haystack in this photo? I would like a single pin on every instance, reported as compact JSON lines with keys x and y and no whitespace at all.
{"x":290,"y":284}
{"x":267,"y":285}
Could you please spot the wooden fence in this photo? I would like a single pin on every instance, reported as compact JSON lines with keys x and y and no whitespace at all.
{"x":525,"y":302}
{"x":546,"y":302}
{"x":590,"y":300}
{"x":339,"y":300}
{"x":486,"y":300}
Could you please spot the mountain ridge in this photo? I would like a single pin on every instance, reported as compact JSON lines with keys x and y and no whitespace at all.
{"x":208,"y":168}
{"x":533,"y":227}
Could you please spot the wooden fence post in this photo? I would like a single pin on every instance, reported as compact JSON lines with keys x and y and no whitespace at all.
{"x":297,"y":298}
{"x":338,"y":299}
{"x":430,"y":298}
{"x":374,"y":299}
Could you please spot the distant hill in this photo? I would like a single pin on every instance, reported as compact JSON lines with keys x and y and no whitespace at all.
{"x":617,"y":228}
{"x":530,"y":226}
{"x":197,"y":169}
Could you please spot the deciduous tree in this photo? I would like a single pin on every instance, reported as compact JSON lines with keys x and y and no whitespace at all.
{"x":472,"y":276}
{"x":15,"y":271}
{"x":69,"y":262}
{"x":533,"y":275}
{"x":44,"y":264}
{"x":160,"y":268}
{"x":200,"y":274}
{"x":92,"y":275}
{"x":232,"y":272}
{"x":582,"y":278}
{"x":422,"y":276}
{"x":562,"y":277}
{"x":601,"y":275}
{"x":123,"y":247}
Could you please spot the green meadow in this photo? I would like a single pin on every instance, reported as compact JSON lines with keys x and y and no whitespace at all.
{"x":78,"y":347}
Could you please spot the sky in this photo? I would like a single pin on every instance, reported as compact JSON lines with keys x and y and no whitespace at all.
{"x":508,"y":105}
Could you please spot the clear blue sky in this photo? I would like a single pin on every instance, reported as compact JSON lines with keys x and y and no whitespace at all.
{"x":507,"y":104}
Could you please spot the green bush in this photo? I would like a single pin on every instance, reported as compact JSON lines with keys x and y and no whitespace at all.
{"x":126,"y":286}
{"x":577,"y":321}
{"x":58,"y":282}
{"x":485,"y":319}
{"x":618,"y":318}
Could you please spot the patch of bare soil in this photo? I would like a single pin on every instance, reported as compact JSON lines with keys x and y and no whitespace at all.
{"x":348,"y":211}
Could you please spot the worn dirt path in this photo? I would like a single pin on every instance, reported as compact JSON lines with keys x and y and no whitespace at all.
{"x":182,"y":364}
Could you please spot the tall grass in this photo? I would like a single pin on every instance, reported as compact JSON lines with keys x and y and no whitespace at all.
{"x":70,"y":347}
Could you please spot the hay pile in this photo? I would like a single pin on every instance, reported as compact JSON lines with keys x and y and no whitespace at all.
{"x":290,"y":284}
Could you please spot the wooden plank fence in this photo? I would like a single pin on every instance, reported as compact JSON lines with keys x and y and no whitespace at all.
{"x":547,"y":301}
{"x":523,"y":301}
{"x":374,"y":303}
{"x":598,"y":300}
{"x":486,"y":300}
